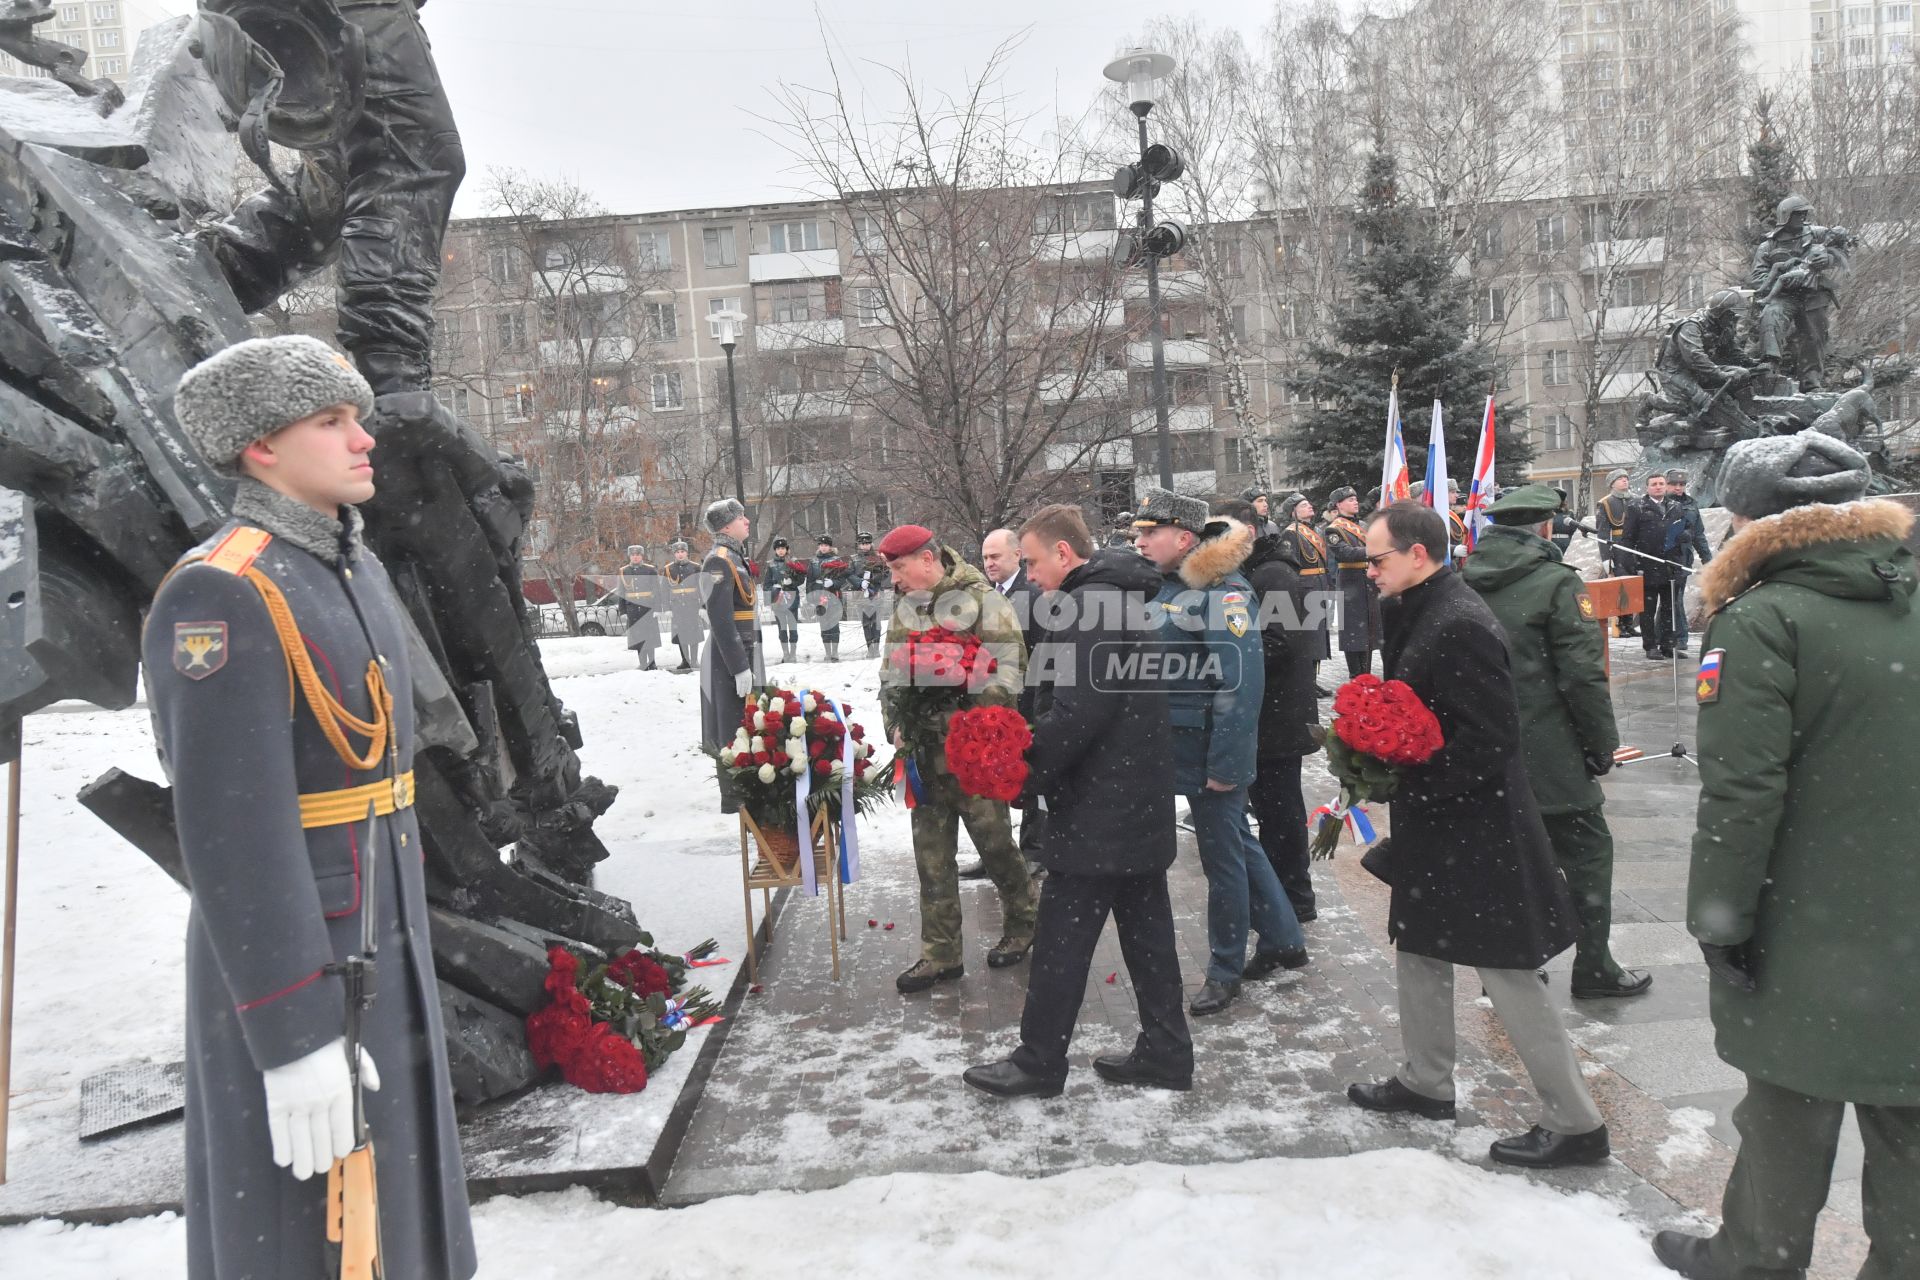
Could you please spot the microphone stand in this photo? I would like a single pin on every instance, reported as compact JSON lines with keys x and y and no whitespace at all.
{"x":1677,"y":602}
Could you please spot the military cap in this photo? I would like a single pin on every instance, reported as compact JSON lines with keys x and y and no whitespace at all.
{"x":1373,"y":496}
{"x":1676,"y":476}
{"x":723,"y":513}
{"x":252,"y":389}
{"x":1618,"y":473}
{"x":678,"y":544}
{"x":1417,"y":490}
{"x":1164,"y":507}
{"x":1525,"y":506}
{"x":1253,"y":494}
{"x":863,"y":539}
{"x":1341,"y":494}
{"x":779,"y":544}
{"x":1770,"y":474}
{"x":636,"y":550}
{"x":1292,"y":500}
{"x":824,"y":540}
{"x":904,"y":540}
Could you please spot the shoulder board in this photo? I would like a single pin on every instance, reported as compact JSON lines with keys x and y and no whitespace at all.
{"x":237,"y":551}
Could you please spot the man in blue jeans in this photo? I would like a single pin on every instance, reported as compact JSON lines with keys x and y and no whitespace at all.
{"x":1211,"y":660}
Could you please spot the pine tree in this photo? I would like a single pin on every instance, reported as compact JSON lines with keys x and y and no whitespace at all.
{"x":1405,"y":310}
{"x":1769,"y":176}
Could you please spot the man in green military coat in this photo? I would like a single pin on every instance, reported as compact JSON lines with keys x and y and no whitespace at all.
{"x":1567,"y":731}
{"x":1805,"y":886}
{"x":936,"y":588}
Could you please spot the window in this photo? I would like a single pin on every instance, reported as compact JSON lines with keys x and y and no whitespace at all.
{"x":1601,"y":71}
{"x":1492,"y":304}
{"x":1635,"y":290}
{"x":869,"y":236}
{"x":503,"y":263}
{"x":70,"y":15}
{"x":112,"y":66}
{"x":717,"y":244}
{"x":1569,"y":44}
{"x":1638,"y":41}
{"x":796,"y":301}
{"x":1552,"y":300}
{"x":882,"y":513}
{"x":1239,"y":455}
{"x":1604,"y":42}
{"x":1293,"y":319}
{"x":1636,"y":11}
{"x":1693,"y":290}
{"x":1602,"y":13}
{"x":1550,"y":233}
{"x":653,"y":248}
{"x":520,"y":402}
{"x":870,"y":308}
{"x":717,"y":305}
{"x":1192,"y":451}
{"x":456,"y":400}
{"x":1492,"y":242}
{"x":449,"y":336}
{"x":108,"y":39}
{"x":660,"y":321}
{"x":1897,"y":12}
{"x":1556,"y":368}
{"x":510,"y":331}
{"x":1556,"y":431}
{"x":1352,"y":243}
{"x":666,"y":391}
{"x":1860,"y":16}
{"x":1238,"y":315}
{"x":793,"y":237}
{"x":1860,"y":47}
{"x":106,"y":12}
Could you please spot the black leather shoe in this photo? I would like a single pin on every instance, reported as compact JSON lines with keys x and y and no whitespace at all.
{"x":1666,"y":654}
{"x":1266,"y":962}
{"x":1391,"y":1095}
{"x":924,"y":974}
{"x":1630,"y":982}
{"x":1688,"y":1255}
{"x":1213,"y":998}
{"x":1005,"y":1080}
{"x":1539,"y":1148}
{"x":1129,"y":1068}
{"x":1009,"y":951}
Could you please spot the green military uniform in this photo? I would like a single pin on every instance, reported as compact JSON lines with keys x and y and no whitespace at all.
{"x":943,"y":807}
{"x":1805,"y":861}
{"x":1566,"y":713}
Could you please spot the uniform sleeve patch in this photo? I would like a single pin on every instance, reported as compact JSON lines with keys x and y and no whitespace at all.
{"x":1236,"y":617}
{"x":1585,"y":603}
{"x":199,"y":648}
{"x":1707,"y":687}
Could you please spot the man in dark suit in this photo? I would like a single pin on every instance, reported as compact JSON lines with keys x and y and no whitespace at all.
{"x":1474,"y":881}
{"x":1098,"y":768}
{"x":1000,"y":559}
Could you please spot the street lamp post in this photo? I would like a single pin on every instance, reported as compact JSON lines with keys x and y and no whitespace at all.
{"x":729,"y":322}
{"x":1141,"y":71}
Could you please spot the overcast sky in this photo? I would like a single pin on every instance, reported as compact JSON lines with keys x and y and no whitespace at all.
{"x":651,"y":106}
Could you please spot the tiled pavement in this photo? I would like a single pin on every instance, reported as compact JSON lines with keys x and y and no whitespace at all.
{"x":823,"y":1081}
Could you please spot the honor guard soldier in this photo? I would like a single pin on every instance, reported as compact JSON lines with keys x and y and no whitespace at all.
{"x":1310,"y":553}
{"x":1359,"y":601}
{"x":828,"y":576}
{"x":1612,"y":522}
{"x":640,"y":605}
{"x":276,"y":662}
{"x":733,"y":664}
{"x":684,"y":601}
{"x":870,"y":580}
{"x":784,"y":581}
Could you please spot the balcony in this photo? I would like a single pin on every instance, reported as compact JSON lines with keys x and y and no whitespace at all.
{"x":1180,"y":351}
{"x":1624,"y":385}
{"x":1626,"y":322}
{"x":1071,"y":246}
{"x":801,"y":477}
{"x":800,"y":333}
{"x":791,"y":406}
{"x":601,"y":351}
{"x":1101,"y":384}
{"x":1111,"y":453}
{"x":808,"y":264}
{"x":1181,"y":417}
{"x":1623,"y":253}
{"x":1084,"y":315}
{"x":1178,"y":286}
{"x":575,"y":280}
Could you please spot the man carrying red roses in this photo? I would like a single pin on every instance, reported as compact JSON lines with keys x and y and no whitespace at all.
{"x":981,"y":665}
{"x":1474,"y":882}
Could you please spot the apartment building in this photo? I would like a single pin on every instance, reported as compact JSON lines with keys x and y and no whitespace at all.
{"x":107,"y":29}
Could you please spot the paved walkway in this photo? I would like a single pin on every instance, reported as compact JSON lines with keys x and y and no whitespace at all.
{"x":821,"y":1082}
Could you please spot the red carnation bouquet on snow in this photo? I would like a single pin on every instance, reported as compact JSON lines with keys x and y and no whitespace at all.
{"x":987,"y":752}
{"x":931,"y":675}
{"x":606,"y":1026}
{"x":1380,"y":727}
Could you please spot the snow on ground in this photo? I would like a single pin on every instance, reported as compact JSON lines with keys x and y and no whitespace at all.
{"x":1382,"y":1215}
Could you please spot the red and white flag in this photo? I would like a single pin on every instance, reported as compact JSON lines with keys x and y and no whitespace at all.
{"x":1480,"y":495}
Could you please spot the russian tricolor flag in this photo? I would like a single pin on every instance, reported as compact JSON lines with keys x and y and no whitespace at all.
{"x":1480,"y":495}
{"x":1393,"y":464}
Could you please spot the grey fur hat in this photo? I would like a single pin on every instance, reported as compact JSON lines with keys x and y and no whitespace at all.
{"x":1618,"y":473}
{"x":1162,"y":506}
{"x":1770,"y":474}
{"x":252,"y":389}
{"x":1341,"y":494}
{"x":723,"y":513}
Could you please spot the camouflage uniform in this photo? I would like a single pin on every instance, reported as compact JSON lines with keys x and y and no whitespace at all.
{"x":943,"y":807}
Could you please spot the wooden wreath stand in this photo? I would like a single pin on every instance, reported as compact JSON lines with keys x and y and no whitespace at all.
{"x":762,"y":871}
{"x":1614,"y":598}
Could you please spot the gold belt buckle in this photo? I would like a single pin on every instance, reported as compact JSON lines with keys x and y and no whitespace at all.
{"x":399,"y":793}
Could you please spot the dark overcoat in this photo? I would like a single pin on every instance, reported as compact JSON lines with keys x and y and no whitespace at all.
{"x":273,"y":905}
{"x":1359,"y":598}
{"x":1101,"y":741}
{"x":1288,"y":709}
{"x":726,"y":583}
{"x":1474,"y":880}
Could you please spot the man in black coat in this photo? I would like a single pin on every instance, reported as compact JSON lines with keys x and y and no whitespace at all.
{"x":1474,"y":881}
{"x":1689,"y":538}
{"x":1097,"y":768}
{"x":1000,"y":561}
{"x":1287,"y":712}
{"x":1647,"y":531}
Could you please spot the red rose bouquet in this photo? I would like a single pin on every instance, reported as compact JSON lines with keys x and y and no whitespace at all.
{"x":1379,"y":728}
{"x":929,"y":676}
{"x":605,"y":1027}
{"x":987,"y":752}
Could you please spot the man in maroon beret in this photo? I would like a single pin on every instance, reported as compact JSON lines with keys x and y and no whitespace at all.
{"x":934,"y":587}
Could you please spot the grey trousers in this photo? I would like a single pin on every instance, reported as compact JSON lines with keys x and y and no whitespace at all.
{"x":1538,"y":1035}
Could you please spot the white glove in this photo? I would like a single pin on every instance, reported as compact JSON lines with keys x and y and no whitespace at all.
{"x":310,"y":1108}
{"x":742,"y":683}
